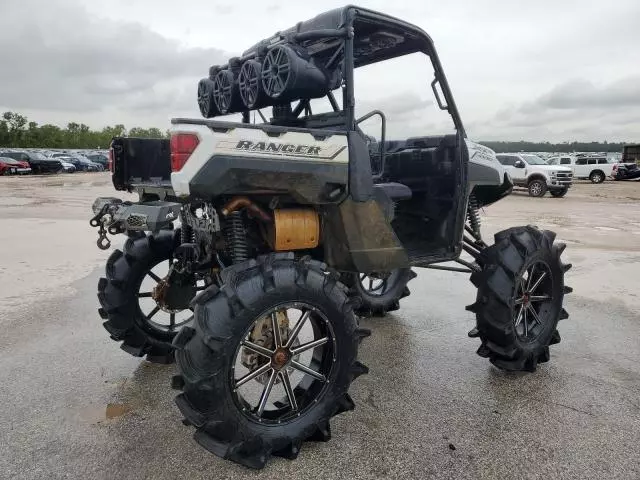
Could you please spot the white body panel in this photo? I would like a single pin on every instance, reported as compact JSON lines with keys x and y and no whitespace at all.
{"x":256,"y":143}
{"x":521,"y":174}
{"x":580,"y":168}
{"x":484,"y":167}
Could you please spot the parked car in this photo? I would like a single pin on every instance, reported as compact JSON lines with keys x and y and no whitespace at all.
{"x":66,"y":158}
{"x":99,"y":158}
{"x":91,"y":166}
{"x":626,"y":171}
{"x":9,"y":166}
{"x":68,"y":167}
{"x":532,"y":172}
{"x":81,"y":163}
{"x":596,"y":169}
{"x":37,"y":161}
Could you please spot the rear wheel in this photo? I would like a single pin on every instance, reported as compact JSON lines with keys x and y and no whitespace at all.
{"x":537,"y":188}
{"x":379,"y":293}
{"x":269,"y":360}
{"x":596,"y":176}
{"x":145,"y":325}
{"x":559,"y":193}
{"x":520,"y":294}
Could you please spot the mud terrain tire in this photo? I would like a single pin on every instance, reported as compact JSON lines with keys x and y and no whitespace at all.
{"x":206,"y":354}
{"x":118,"y":290}
{"x":374,"y":303}
{"x":504,"y":295}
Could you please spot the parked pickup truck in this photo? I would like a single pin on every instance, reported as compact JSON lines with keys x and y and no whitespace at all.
{"x":533,"y":173}
{"x":595,"y":169}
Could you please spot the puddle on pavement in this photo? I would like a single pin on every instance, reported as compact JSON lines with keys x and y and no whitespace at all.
{"x":128,"y":394}
{"x":96,"y":414}
{"x":115,"y":410}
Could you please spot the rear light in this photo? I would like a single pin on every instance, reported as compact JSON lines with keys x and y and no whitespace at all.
{"x":182,"y":146}
{"x":110,"y":161}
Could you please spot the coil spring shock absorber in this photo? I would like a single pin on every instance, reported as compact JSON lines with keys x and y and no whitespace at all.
{"x":236,"y":237}
{"x":186,"y":234}
{"x":473,"y":217}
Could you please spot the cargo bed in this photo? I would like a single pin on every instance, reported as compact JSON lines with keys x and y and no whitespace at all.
{"x":140,"y":162}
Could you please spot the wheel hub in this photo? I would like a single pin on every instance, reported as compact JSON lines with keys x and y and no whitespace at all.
{"x":171,"y":297}
{"x":160,"y":292}
{"x":280,"y":358}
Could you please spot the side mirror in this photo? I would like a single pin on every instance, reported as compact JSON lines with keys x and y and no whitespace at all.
{"x":519,"y":164}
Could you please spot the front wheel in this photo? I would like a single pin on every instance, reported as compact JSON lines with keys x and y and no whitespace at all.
{"x":270,"y":359}
{"x":379,"y":293}
{"x":519,"y":302}
{"x":537,"y":188}
{"x":559,"y":193}
{"x":596,"y":177}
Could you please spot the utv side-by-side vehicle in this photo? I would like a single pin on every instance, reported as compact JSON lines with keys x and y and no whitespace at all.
{"x":253,"y":245}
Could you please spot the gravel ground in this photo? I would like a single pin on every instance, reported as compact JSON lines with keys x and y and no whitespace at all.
{"x":75,"y":406}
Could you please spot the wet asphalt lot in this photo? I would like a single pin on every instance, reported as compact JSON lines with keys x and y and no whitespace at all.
{"x":75,"y":406}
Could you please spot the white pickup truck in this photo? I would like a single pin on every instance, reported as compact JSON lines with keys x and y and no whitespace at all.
{"x":533,"y":173}
{"x":594,"y":168}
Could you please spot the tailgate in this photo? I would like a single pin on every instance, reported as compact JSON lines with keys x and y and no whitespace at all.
{"x":139,"y":162}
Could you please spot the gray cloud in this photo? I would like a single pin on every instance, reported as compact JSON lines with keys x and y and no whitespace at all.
{"x":69,"y":60}
{"x":584,"y":94}
{"x":577,"y":98}
{"x":576,"y":109}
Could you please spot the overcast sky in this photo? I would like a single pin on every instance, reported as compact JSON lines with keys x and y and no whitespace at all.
{"x":537,"y":70}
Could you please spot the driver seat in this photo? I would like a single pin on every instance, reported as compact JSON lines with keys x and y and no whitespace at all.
{"x":394,"y":191}
{"x":388,"y":194}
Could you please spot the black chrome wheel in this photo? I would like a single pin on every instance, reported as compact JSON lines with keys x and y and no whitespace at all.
{"x":534,"y":296}
{"x":281,"y":369}
{"x":376,"y":284}
{"x":379,"y":292}
{"x":164,"y":308}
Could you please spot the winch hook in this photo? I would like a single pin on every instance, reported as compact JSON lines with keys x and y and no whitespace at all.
{"x":103,"y":241}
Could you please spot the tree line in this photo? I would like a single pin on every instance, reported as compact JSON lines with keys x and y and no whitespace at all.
{"x":16,"y":131}
{"x":565,"y":147}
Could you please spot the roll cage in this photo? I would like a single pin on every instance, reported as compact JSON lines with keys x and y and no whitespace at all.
{"x":353,"y":37}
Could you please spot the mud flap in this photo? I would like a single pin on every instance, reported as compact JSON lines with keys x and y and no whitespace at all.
{"x":358,"y":237}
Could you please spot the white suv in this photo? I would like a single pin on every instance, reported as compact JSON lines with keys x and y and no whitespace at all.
{"x":533,"y":173}
{"x":595,"y":169}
